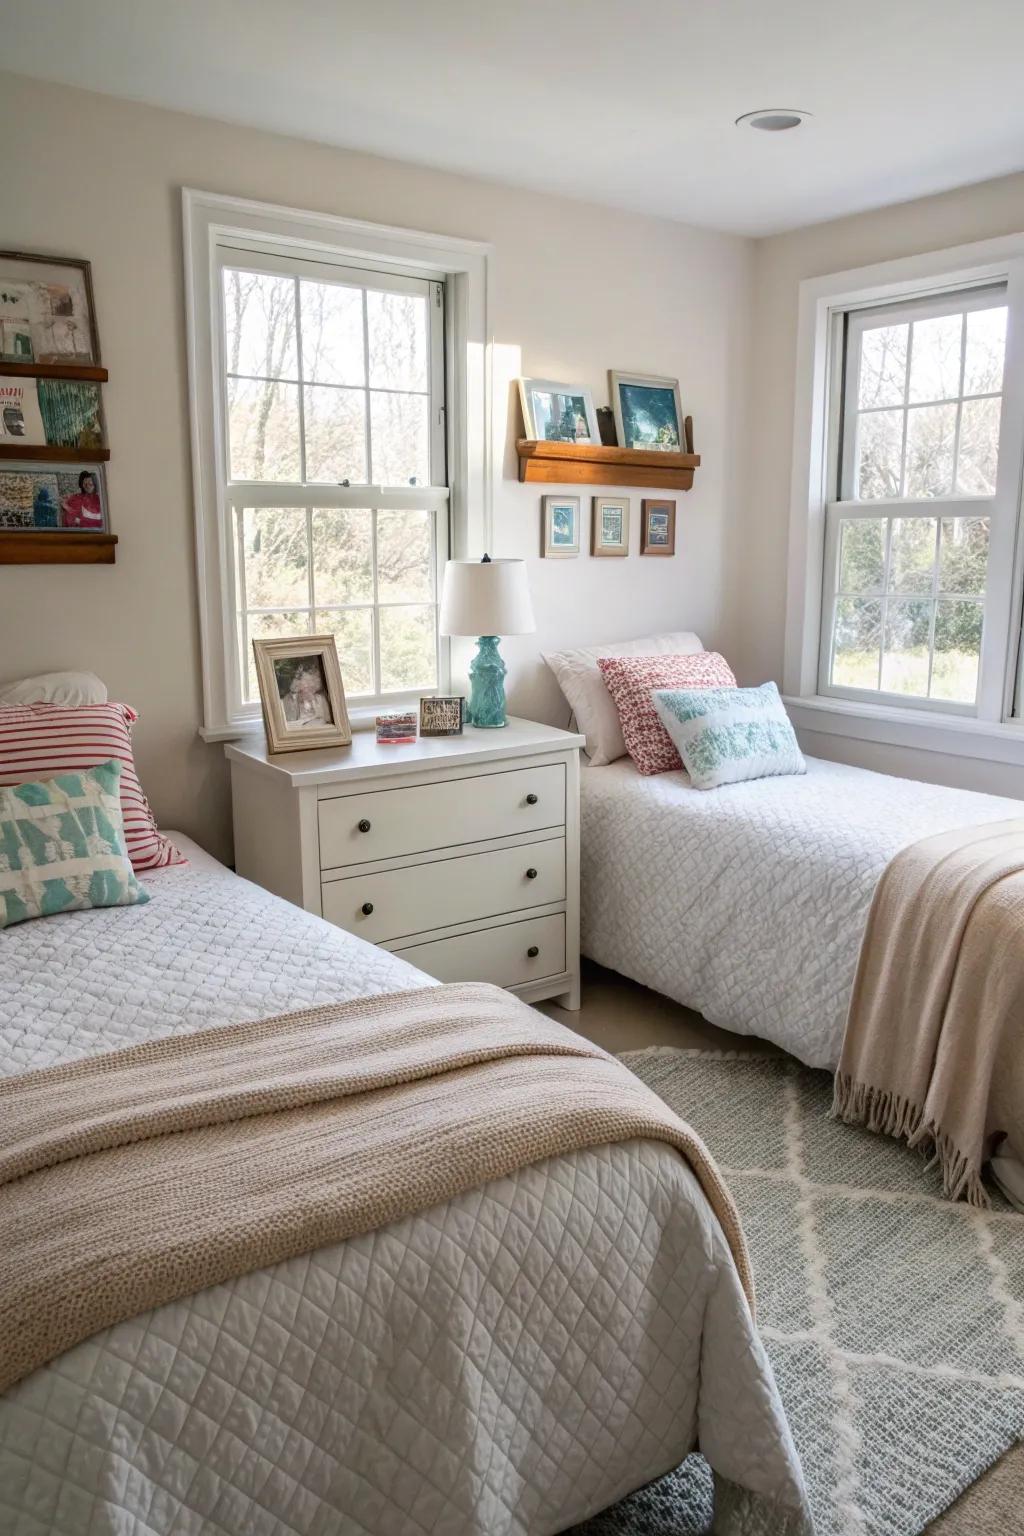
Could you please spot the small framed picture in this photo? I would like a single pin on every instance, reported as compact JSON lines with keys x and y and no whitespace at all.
{"x":37,"y":497}
{"x":648,"y":413}
{"x":657,"y":527}
{"x":302,"y":693}
{"x":441,"y":716}
{"x":396,"y":730}
{"x":47,"y":314}
{"x":609,"y":528}
{"x":558,"y":413}
{"x":560,"y":521}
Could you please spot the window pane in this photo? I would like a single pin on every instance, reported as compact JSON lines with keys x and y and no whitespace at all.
{"x":855,"y":655}
{"x":908,"y":624}
{"x":883,"y":366}
{"x":335,"y":434}
{"x":263,"y":430}
{"x":862,"y":554}
{"x":931,"y":431}
{"x":935,"y":358}
{"x":912,"y":554}
{"x":396,"y":325}
{"x":332,"y":333}
{"x":399,"y":439}
{"x":275,"y":557}
{"x":259,"y":325}
{"x":342,"y":556}
{"x":353,"y":631}
{"x":404,"y":557}
{"x":269,"y":626}
{"x":408,"y":652}
{"x":979,"y":446}
{"x":879,"y":453}
{"x":986,"y":349}
{"x":963,"y":554}
{"x":957,"y":652}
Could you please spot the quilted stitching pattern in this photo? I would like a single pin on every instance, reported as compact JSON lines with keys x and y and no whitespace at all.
{"x":632,"y":679}
{"x":748,"y":902}
{"x":506,"y":1363}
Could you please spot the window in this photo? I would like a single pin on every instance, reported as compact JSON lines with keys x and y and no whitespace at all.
{"x":339,"y":395}
{"x":334,"y":465}
{"x":915,"y":459}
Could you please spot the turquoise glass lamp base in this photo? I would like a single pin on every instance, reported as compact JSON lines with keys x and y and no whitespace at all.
{"x":486,"y":706}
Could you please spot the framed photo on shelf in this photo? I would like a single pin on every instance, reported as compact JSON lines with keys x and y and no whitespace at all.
{"x":558,"y":413}
{"x":441,"y":715}
{"x":47,"y":312}
{"x":609,"y":527}
{"x":301,"y":692}
{"x":560,"y":527}
{"x":43,"y":497}
{"x":648,"y":413}
{"x":657,"y":527}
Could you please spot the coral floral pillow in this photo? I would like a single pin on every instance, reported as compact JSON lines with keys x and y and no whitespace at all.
{"x":631,"y":680}
{"x":40,"y":741}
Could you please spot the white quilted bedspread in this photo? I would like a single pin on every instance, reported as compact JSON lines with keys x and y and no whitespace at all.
{"x":504,"y":1364}
{"x":748,"y":902}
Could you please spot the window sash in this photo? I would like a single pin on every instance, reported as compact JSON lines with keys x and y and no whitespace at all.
{"x":235,"y":495}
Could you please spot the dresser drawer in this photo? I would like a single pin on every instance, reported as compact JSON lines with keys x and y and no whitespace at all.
{"x":426,"y":896}
{"x":385,"y":824}
{"x":509,"y":956}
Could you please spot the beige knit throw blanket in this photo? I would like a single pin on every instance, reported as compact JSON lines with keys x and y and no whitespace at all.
{"x":934,"y":1044}
{"x":135,"y":1177}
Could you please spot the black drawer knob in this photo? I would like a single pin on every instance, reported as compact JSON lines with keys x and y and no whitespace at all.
{"x":531,"y":799}
{"x":364,"y":825}
{"x":367,"y":908}
{"x":531,"y":874}
{"x":533,"y":952}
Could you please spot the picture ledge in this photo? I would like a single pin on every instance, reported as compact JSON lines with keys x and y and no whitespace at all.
{"x":557,"y":463}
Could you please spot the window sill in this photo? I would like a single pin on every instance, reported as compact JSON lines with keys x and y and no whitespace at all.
{"x":955,"y":735}
{"x":363,"y":718}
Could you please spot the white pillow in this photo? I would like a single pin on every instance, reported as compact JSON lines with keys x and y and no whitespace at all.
{"x":579,"y":678}
{"x":71,"y":688}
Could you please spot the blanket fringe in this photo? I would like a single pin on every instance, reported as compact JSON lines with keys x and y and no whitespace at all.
{"x":892,"y":1114}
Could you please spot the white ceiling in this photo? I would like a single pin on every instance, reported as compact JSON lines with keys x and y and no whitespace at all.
{"x":629,"y":104}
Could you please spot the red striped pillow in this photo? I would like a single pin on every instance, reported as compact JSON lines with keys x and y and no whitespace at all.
{"x":38,"y":741}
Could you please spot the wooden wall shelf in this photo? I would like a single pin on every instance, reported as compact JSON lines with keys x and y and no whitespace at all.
{"x":90,"y":372}
{"x":44,"y":453}
{"x":584,"y":464}
{"x":59,"y":547}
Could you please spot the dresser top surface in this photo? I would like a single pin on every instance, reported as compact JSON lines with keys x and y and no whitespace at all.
{"x":366,"y":759}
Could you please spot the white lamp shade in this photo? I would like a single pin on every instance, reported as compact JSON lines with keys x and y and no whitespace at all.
{"x":486,"y":597}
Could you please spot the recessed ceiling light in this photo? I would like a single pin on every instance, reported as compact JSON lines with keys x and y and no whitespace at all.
{"x":773,"y":119}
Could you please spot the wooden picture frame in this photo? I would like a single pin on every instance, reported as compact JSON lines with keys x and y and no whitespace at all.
{"x":302,"y":694}
{"x":579,"y":400}
{"x":629,"y":393}
{"x":609,"y":526}
{"x":560,"y":527}
{"x":442,"y":715}
{"x":47,"y":319}
{"x":657,"y":527}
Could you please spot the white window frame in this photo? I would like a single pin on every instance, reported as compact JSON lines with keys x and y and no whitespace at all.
{"x":995,"y":731}
{"x":212,"y":222}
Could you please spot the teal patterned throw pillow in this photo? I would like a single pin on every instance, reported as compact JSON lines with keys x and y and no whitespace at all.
{"x":62,"y":846}
{"x":726,"y":735}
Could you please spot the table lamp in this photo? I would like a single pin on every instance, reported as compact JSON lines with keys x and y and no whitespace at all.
{"x":487,"y":598}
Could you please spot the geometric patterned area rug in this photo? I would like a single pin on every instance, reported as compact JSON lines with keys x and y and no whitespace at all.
{"x":893,"y":1318}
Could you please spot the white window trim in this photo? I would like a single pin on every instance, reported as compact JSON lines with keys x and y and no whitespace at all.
{"x":208,"y":219}
{"x":990,"y":735}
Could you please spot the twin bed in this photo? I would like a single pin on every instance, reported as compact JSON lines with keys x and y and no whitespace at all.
{"x":510,"y":1361}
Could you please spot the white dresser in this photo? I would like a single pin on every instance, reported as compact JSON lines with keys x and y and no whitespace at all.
{"x":460,"y":853}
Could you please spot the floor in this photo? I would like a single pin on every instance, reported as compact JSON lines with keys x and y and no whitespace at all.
{"x":620,"y":1015}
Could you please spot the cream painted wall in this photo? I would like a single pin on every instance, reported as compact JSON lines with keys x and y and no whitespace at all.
{"x":576,"y":290}
{"x":759,"y":594}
